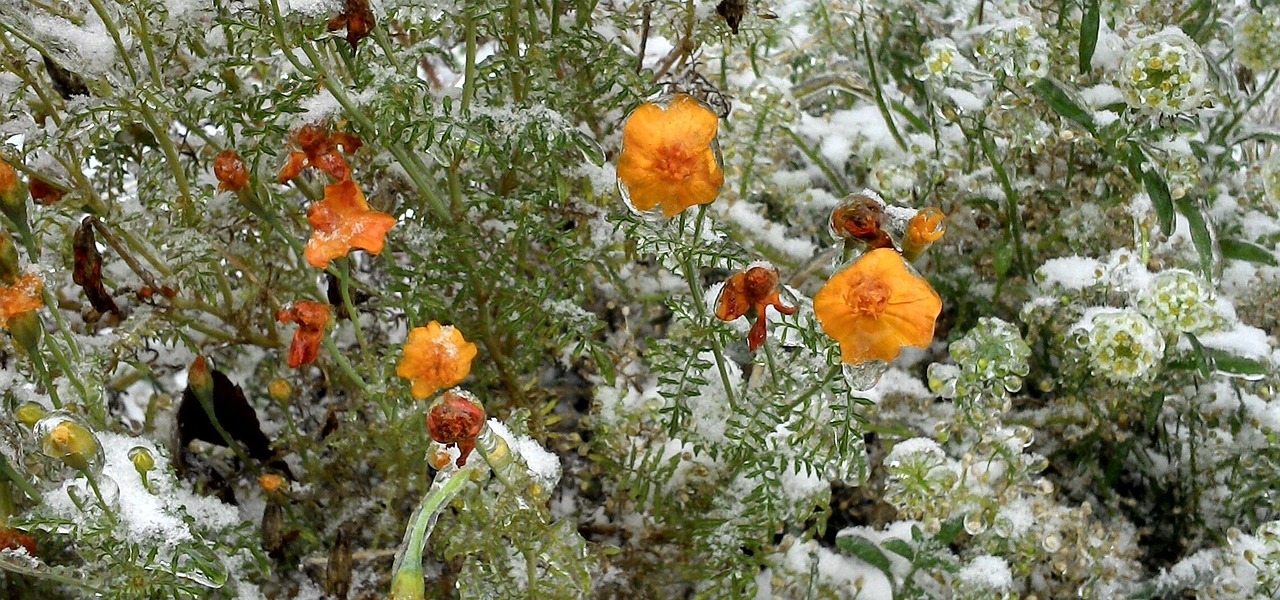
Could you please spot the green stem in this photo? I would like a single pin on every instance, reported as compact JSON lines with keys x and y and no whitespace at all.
{"x":879,"y":95}
{"x":344,"y":365}
{"x":469,"y":73}
{"x":406,"y":580}
{"x":13,"y":475}
{"x":97,"y":492}
{"x":1014,"y":221}
{"x":344,"y":288}
{"x":115,"y":36}
{"x":695,"y":289}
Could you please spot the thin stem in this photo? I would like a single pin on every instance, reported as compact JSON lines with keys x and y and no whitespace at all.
{"x":469,"y":72}
{"x":875,"y":85}
{"x":695,"y":290}
{"x":110,"y":24}
{"x":1014,"y":221}
{"x":344,"y":288}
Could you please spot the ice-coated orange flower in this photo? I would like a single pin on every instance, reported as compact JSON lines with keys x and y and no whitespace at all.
{"x":876,"y":307}
{"x":343,"y":221}
{"x":320,"y":150}
{"x":230,"y":170}
{"x":311,"y":317}
{"x":667,"y":156}
{"x":861,"y":217}
{"x":923,"y":230}
{"x":435,"y":357}
{"x":456,"y":417}
{"x":751,"y":292}
{"x":19,"y":298}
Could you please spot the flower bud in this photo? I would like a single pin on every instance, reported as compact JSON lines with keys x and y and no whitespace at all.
{"x":924,"y":229}
{"x":27,"y":329}
{"x":456,"y":418}
{"x":231,"y":171}
{"x":200,"y":380}
{"x":8,"y":260}
{"x":280,"y":389}
{"x":29,"y":413}
{"x":861,"y":217}
{"x":271,"y":483}
{"x":68,"y":441}
{"x":13,"y":197}
{"x":142,"y":461}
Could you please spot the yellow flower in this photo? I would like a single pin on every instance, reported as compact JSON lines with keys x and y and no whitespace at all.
{"x":435,"y":357}
{"x":876,"y":307}
{"x":667,"y":156}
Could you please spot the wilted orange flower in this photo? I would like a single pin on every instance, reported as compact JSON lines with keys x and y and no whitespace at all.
{"x":320,"y":150}
{"x":456,"y":418}
{"x":12,"y":539}
{"x":230,"y":170}
{"x":876,"y":307}
{"x":311,"y":317}
{"x":358,"y":19}
{"x":343,"y":221}
{"x":861,"y":218}
{"x":924,"y":229}
{"x":20,"y":297}
{"x":751,"y":291}
{"x":435,"y":357}
{"x":42,"y":192}
{"x":667,"y":156}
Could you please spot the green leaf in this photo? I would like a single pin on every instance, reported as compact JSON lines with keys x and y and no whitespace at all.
{"x":900,"y":548}
{"x":1088,"y":34}
{"x":1202,"y":357}
{"x":867,"y":551}
{"x":1231,"y":364}
{"x":1247,"y":251}
{"x":949,"y":531}
{"x":1062,"y":103}
{"x":1200,"y":236}
{"x":1158,"y":191}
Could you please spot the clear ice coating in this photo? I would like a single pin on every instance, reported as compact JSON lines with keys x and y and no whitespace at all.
{"x":196,"y":562}
{"x":864,"y":376}
{"x":67,"y":446}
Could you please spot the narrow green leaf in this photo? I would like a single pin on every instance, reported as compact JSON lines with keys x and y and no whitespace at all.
{"x":1236,"y":365}
{"x":1062,"y":103}
{"x":1246,"y":251}
{"x":1088,"y":34}
{"x":1158,"y":191}
{"x":867,"y":551}
{"x":1200,"y":236}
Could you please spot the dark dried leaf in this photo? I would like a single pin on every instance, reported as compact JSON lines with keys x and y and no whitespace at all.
{"x":235,"y":415}
{"x":338,"y":572}
{"x":88,"y":269}
{"x":68,"y":83}
{"x":732,"y":11}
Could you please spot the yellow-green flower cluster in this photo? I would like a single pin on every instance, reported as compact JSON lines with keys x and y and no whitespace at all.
{"x":1258,"y":39}
{"x":1122,"y":344}
{"x":1165,"y":73}
{"x":939,"y":59}
{"x":1178,"y":301}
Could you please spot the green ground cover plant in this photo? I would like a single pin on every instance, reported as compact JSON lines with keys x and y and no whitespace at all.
{"x":653,"y":299}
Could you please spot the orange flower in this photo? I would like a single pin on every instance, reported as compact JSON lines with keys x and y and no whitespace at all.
{"x":230,"y":170}
{"x":751,"y":291}
{"x":343,"y":221}
{"x":924,"y":229}
{"x":21,"y":297}
{"x":311,"y":317}
{"x":320,"y":150}
{"x":435,"y":357}
{"x":876,"y":307}
{"x":667,"y":156}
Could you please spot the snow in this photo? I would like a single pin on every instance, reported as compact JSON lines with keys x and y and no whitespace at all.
{"x":312,"y":8}
{"x":1073,"y":273}
{"x":542,"y":464}
{"x":987,"y":573}
{"x":1242,"y":340}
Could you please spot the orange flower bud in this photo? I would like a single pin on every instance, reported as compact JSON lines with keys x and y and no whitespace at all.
{"x":271,"y":483}
{"x":456,"y":418}
{"x":231,"y":171}
{"x":8,"y":179}
{"x":311,"y":317}
{"x":20,"y":297}
{"x":752,"y":292}
{"x":200,"y":380}
{"x":924,"y":229}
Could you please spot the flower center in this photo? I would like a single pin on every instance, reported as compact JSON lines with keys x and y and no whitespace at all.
{"x":867,"y":297}
{"x":676,"y":162}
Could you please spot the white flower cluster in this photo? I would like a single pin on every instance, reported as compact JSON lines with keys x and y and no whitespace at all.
{"x":1165,"y":73}
{"x":1258,"y":39}
{"x":1015,"y":48}
{"x":939,"y":60}
{"x":1122,"y":344}
{"x":1178,"y":301}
